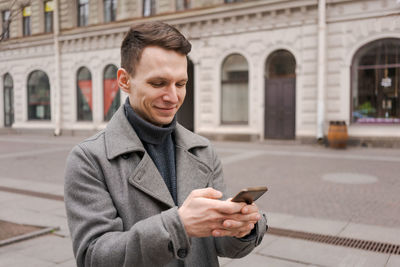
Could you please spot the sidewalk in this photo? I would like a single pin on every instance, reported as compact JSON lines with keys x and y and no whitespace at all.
{"x":55,"y":249}
{"x":350,"y":193}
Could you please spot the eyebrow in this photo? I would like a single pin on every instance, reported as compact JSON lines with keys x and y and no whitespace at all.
{"x":159,"y":78}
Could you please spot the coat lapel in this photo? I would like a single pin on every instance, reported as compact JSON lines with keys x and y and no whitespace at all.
{"x":122,"y":139}
{"x":192,"y":173}
{"x":147,"y":178}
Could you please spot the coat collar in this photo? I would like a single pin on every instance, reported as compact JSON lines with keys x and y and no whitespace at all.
{"x":120,"y":138}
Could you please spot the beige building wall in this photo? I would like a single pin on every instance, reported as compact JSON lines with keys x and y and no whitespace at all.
{"x":254,"y":29}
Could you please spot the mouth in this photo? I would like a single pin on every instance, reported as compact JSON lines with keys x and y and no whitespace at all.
{"x":166,"y":109}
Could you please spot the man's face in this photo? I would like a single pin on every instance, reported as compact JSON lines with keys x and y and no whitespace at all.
{"x":158,"y":88}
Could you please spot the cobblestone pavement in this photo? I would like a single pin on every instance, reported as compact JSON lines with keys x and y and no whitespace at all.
{"x":294,"y":174}
{"x":366,"y":189}
{"x":350,"y":193}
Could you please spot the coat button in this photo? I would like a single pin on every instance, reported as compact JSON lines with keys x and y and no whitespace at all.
{"x":182,"y":253}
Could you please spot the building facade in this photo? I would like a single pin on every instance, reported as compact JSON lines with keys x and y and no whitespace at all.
{"x":266,"y":69}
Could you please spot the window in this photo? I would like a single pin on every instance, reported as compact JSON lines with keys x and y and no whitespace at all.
{"x":182,"y":4}
{"x":38,"y":96}
{"x":111,"y":93}
{"x":234,"y":95}
{"x":5,"y":16}
{"x":84,"y":94}
{"x":48,"y":16}
{"x":83,"y":12}
{"x":26,"y":20}
{"x":149,"y":7}
{"x":281,"y":64}
{"x":376,"y":82}
{"x":8,"y":86}
{"x":110,"y":10}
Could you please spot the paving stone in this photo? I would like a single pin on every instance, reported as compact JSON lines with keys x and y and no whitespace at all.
{"x":394,"y":261}
{"x":372,"y":232}
{"x":321,"y":254}
{"x":12,"y":259}
{"x":69,"y":263}
{"x":314,"y":225}
{"x":256,"y":260}
{"x":50,"y":248}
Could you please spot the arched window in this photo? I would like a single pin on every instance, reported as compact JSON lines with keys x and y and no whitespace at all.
{"x":110,"y":10}
{"x":281,"y":64}
{"x":111,"y":93}
{"x":376,"y":82}
{"x":234,"y":95}
{"x":38,"y":96}
{"x":8,"y":86}
{"x":84,"y":94}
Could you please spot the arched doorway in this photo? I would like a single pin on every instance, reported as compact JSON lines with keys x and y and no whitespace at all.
{"x":185,"y":115}
{"x":375,"y":89}
{"x":8,"y":86}
{"x":280,"y":96}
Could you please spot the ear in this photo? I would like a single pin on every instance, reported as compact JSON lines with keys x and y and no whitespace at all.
{"x":124,"y":81}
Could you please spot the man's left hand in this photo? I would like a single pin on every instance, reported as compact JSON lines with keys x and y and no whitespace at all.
{"x":239,"y":224}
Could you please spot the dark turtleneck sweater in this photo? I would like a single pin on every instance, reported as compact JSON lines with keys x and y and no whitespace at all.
{"x":159,"y":144}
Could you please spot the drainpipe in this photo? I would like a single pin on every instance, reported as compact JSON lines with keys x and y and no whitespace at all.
{"x":56,"y":29}
{"x":321,"y":69}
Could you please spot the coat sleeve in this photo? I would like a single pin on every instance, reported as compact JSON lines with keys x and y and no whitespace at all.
{"x":232,"y":247}
{"x":97,"y":232}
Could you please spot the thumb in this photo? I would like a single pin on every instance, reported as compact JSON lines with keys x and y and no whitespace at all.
{"x":207,"y":193}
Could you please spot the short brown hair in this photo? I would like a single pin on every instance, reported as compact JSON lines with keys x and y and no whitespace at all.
{"x":150,"y":34}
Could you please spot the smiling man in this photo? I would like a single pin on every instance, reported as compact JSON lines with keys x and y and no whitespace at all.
{"x":145,"y":191}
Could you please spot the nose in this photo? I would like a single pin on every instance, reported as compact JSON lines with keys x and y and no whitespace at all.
{"x":171,"y":95}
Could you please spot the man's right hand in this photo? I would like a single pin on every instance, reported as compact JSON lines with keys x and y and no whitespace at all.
{"x":202,"y":213}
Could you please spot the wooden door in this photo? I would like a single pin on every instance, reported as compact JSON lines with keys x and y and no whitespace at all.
{"x":280,"y":108}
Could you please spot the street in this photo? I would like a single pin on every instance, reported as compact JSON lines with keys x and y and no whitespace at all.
{"x":352,"y":193}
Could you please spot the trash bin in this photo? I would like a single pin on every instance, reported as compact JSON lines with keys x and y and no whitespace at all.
{"x":337,"y":134}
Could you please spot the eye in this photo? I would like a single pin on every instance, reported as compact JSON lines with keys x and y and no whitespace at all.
{"x":157,"y":84}
{"x":180,"y":85}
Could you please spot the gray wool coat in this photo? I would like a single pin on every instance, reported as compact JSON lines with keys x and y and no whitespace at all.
{"x":120,"y":212}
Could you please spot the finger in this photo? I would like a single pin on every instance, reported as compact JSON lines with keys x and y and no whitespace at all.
{"x":231,"y":224}
{"x":207,"y":193}
{"x":224,"y":232}
{"x":242,"y":234}
{"x":249,"y":209}
{"x":228,"y":207}
{"x":237,"y":226}
{"x":253,"y":217}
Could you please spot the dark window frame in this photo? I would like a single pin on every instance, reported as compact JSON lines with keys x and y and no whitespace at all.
{"x":241,"y":79}
{"x":110,"y":10}
{"x":26,"y":22}
{"x":149,"y":10}
{"x":5,"y":24}
{"x":372,"y":102}
{"x":42,"y":97}
{"x":83,"y":12}
{"x":84,"y":111}
{"x":48,"y":17}
{"x":117,"y":99}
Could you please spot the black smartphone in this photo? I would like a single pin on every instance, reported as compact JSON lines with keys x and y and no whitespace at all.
{"x":249,"y":195}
